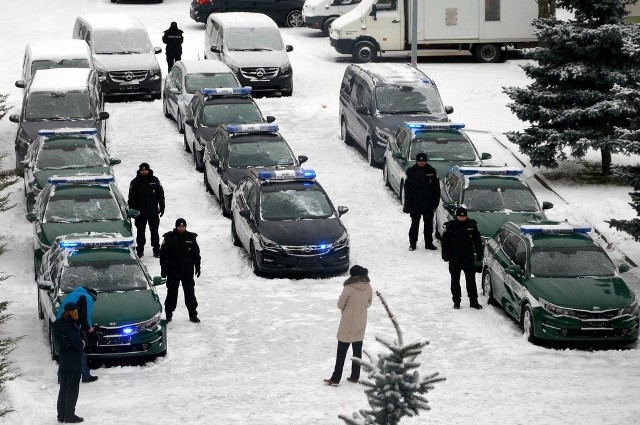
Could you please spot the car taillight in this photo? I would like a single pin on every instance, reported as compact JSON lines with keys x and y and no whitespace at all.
{"x":203,"y":2}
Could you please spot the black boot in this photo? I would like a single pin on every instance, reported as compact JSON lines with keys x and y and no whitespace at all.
{"x":140,"y":251}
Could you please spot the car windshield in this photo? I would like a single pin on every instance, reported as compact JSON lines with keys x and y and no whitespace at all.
{"x":113,"y":42}
{"x":237,"y":113}
{"x":494,"y":198}
{"x":254,"y":39}
{"x":104,"y":276}
{"x":196,"y":81}
{"x":294,"y":205}
{"x":570,"y":262}
{"x":75,"y":209}
{"x":68,"y":105}
{"x":445,"y":148}
{"x":62,"y":63}
{"x":408,"y":99}
{"x":83,"y":154}
{"x":263,"y":153}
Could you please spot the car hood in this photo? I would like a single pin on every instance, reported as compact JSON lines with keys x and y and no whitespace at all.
{"x":53,"y":230}
{"x":303,"y":232}
{"x":40,"y":177}
{"x":32,"y":127}
{"x":267,"y":59}
{"x":132,"y":62}
{"x":125,"y":308}
{"x":490,"y":222}
{"x":583,"y":293}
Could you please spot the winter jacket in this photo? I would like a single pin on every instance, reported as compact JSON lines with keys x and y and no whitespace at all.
{"x":354,"y":301}
{"x":84,"y":301}
{"x":173,"y":39}
{"x":146,"y":195}
{"x":461,"y":242}
{"x":66,"y":334}
{"x":421,"y":189}
{"x":179,"y":254}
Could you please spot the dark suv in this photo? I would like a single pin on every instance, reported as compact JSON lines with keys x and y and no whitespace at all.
{"x":285,"y":12}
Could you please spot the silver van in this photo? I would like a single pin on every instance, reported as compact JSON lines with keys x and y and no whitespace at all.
{"x":122,"y":54}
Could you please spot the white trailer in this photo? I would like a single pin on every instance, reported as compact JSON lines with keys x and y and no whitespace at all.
{"x":484,"y":27}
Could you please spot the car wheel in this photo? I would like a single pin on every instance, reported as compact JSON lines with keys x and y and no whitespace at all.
{"x":179,"y":123}
{"x":528,"y":325}
{"x":165,"y":110}
{"x":19,"y":158}
{"x":52,"y":343}
{"x":370,"y":155}
{"x":186,"y":144}
{"x":364,"y":51}
{"x":385,"y":175}
{"x":488,"y":53}
{"x":344,"y":133}
{"x":287,"y":93}
{"x":207,"y":186}
{"x":327,"y":25}
{"x":234,"y":234}
{"x":254,"y":260}
{"x":156,"y":96}
{"x":487,"y":287}
{"x":196,"y":161}
{"x":294,"y":19}
{"x":223,"y":204}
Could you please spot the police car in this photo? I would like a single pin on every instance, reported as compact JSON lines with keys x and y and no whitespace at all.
{"x":127,"y":315}
{"x":64,"y":152}
{"x":236,"y":149}
{"x":212,"y":107}
{"x":559,"y":284}
{"x":445,"y":144}
{"x":287,"y":224}
{"x":78,"y":204}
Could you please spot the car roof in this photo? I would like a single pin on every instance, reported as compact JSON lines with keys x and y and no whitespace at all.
{"x":60,"y":79}
{"x":393,"y":73}
{"x":70,"y":140}
{"x":81,"y":189}
{"x":579,"y":238}
{"x":255,"y":175}
{"x":480,"y":180}
{"x":58,"y":49}
{"x":243,"y":20}
{"x":98,"y":254}
{"x":112,"y":21}
{"x":206,"y":65}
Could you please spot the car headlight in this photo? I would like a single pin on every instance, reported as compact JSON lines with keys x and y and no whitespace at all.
{"x":285,"y":68}
{"x":630,"y":309}
{"x":554,"y":309}
{"x":149,"y":325}
{"x":333,"y":33}
{"x":342,"y":241}
{"x":383,"y":136}
{"x":269,"y":245}
{"x":234,"y":69}
{"x":22,"y":136}
{"x":155,"y":73}
{"x":102,"y":73}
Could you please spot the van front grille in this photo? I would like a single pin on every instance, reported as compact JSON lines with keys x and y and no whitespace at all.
{"x":259,"y":73}
{"x":128,"y":76}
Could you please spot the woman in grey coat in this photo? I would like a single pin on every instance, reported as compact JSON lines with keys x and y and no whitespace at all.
{"x":354,"y":301}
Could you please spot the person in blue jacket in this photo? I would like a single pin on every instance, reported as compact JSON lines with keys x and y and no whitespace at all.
{"x":83,"y":297}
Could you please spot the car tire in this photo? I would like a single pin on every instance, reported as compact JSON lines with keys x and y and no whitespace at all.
{"x":234,"y":234}
{"x":385,"y":175}
{"x":19,"y":159}
{"x":52,"y":343}
{"x":344,"y":133}
{"x":207,"y":186}
{"x":487,"y":287}
{"x":186,"y":144}
{"x":165,"y":110}
{"x":371,"y":160}
{"x":287,"y":93}
{"x":157,"y":96}
{"x":528,"y":327}
{"x":488,"y":53}
{"x":254,"y":260}
{"x":179,"y":123}
{"x":198,"y":167}
{"x":294,"y":19}
{"x":326,"y":26}
{"x":223,"y":204}
{"x":364,"y":51}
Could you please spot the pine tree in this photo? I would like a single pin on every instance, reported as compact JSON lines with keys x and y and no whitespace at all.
{"x":631,"y":175}
{"x":546,"y":8}
{"x":396,"y":388}
{"x":583,"y":69}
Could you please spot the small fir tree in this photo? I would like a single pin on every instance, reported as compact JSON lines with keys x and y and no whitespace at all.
{"x":631,"y":175}
{"x":581,"y":67}
{"x":396,"y":388}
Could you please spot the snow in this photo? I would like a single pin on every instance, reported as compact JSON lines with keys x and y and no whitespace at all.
{"x":244,"y":20}
{"x":60,"y":79}
{"x":264,"y":345}
{"x":59,"y":49}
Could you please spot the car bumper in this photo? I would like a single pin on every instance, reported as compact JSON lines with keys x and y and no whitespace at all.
{"x":313,"y":21}
{"x":342,"y":46}
{"x":333,"y":262}
{"x":277,"y":84}
{"x":146,"y":87}
{"x":143,"y":344}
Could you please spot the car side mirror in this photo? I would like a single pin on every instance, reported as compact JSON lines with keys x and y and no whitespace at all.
{"x":215,"y":162}
{"x":114,"y":161}
{"x":20,"y":84}
{"x":485,"y":155}
{"x":215,"y":49}
{"x":373,"y":12}
{"x":450,"y":206}
{"x":45,"y":285}
{"x":157,"y":50}
{"x":270,"y":118}
{"x":302,"y":159}
{"x":546,"y":205}
{"x":246,"y":214}
{"x":103,"y":115}
{"x":448,"y":110}
{"x":132,"y":213}
{"x":514,"y":270}
{"x":32,"y":216}
{"x":289,"y":48}
{"x":174,"y":90}
{"x":623,"y":267}
{"x":159,"y":280}
{"x":14,"y":118}
{"x":342,"y":210}
{"x":397,"y":155}
{"x":189,"y":121}
{"x":362,"y":110}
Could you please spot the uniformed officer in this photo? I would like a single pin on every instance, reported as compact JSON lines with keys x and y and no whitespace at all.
{"x":173,"y":39}
{"x":147,"y":196}
{"x":421,"y":198}
{"x":461,"y":246}
{"x":179,"y":257}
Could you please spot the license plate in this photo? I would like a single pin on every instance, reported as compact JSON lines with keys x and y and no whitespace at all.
{"x":118,"y":340}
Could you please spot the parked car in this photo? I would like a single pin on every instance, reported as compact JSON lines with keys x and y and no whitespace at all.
{"x":236,"y":149}
{"x":285,"y":12}
{"x":559,"y":284}
{"x":127,"y":318}
{"x":63,"y":153}
{"x":287,"y":224}
{"x":375,"y":99}
{"x":320,"y":14}
{"x":188,"y":77}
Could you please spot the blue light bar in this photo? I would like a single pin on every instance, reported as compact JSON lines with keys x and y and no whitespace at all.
{"x":558,"y":229}
{"x":227,"y":91}
{"x":252,"y":128}
{"x":95,"y":242}
{"x":298,"y":174}
{"x":103,"y":179}
{"x":68,"y":132}
{"x":419,"y":125}
{"x":495,"y":171}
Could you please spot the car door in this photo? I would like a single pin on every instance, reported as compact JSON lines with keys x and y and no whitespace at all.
{"x":246,"y":225}
{"x":514,"y":285}
{"x":451,"y":192}
{"x":219,"y":153}
{"x":362,"y":121}
{"x":506,"y":286}
{"x":190,"y":130}
{"x":172,"y":82}
{"x":397,"y":166}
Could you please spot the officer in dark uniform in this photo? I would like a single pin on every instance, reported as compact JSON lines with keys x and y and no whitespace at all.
{"x":421,"y":198}
{"x":147,"y":196}
{"x":461,"y":246}
{"x":66,"y":333}
{"x":173,"y":39}
{"x":179,"y":257}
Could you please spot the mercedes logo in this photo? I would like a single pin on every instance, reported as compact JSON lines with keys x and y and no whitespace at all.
{"x":128,"y":76}
{"x":260,"y":72}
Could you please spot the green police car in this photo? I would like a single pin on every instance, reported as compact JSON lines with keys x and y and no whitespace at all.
{"x":559,"y":284}
{"x":60,"y":153}
{"x":445,"y":144}
{"x":127,"y":314}
{"x":78,"y":204}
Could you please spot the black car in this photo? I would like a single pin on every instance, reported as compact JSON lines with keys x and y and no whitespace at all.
{"x":236,"y":149}
{"x":287,"y":223}
{"x":211,"y":107}
{"x":284,"y":12}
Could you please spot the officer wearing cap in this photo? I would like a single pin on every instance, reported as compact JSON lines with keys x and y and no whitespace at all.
{"x":147,"y":196}
{"x":421,"y":198}
{"x":461,"y":246}
{"x":179,"y":258}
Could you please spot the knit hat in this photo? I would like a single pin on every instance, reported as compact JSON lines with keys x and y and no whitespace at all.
{"x":358,"y":271}
{"x":173,"y":25}
{"x":462,"y":211}
{"x":181,"y":221}
{"x":70,"y":307}
{"x":144,"y":166}
{"x":421,"y":157}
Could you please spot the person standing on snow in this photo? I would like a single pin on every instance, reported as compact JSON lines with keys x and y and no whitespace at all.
{"x":147,"y":196}
{"x":354,"y":301}
{"x":421,"y":198}
{"x":173,"y":39}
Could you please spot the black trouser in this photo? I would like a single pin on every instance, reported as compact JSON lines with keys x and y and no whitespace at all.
{"x":141,"y":226}
{"x":188,"y":287}
{"x":427,"y":216}
{"x":341,"y":356}
{"x":68,"y":393}
{"x":171,"y":59}
{"x":470,"y":277}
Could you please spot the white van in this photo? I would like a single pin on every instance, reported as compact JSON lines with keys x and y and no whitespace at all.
{"x":320,"y":14}
{"x":122,"y":54}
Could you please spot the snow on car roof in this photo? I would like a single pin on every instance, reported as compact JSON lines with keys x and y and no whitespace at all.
{"x":112,"y":21}
{"x":65,"y":79}
{"x":205,"y":66}
{"x":395,"y":72}
{"x":58,"y":49}
{"x":244,"y":20}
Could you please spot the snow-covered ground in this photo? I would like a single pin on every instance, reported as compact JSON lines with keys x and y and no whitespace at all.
{"x":264,"y":345}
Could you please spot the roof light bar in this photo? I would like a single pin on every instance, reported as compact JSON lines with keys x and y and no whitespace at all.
{"x":226,"y":91}
{"x":558,"y":229}
{"x":496,"y":171}
{"x":95,"y":242}
{"x":417,"y":125}
{"x":102,"y":179}
{"x":252,"y":128}
{"x":68,"y":132}
{"x":299,"y":174}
